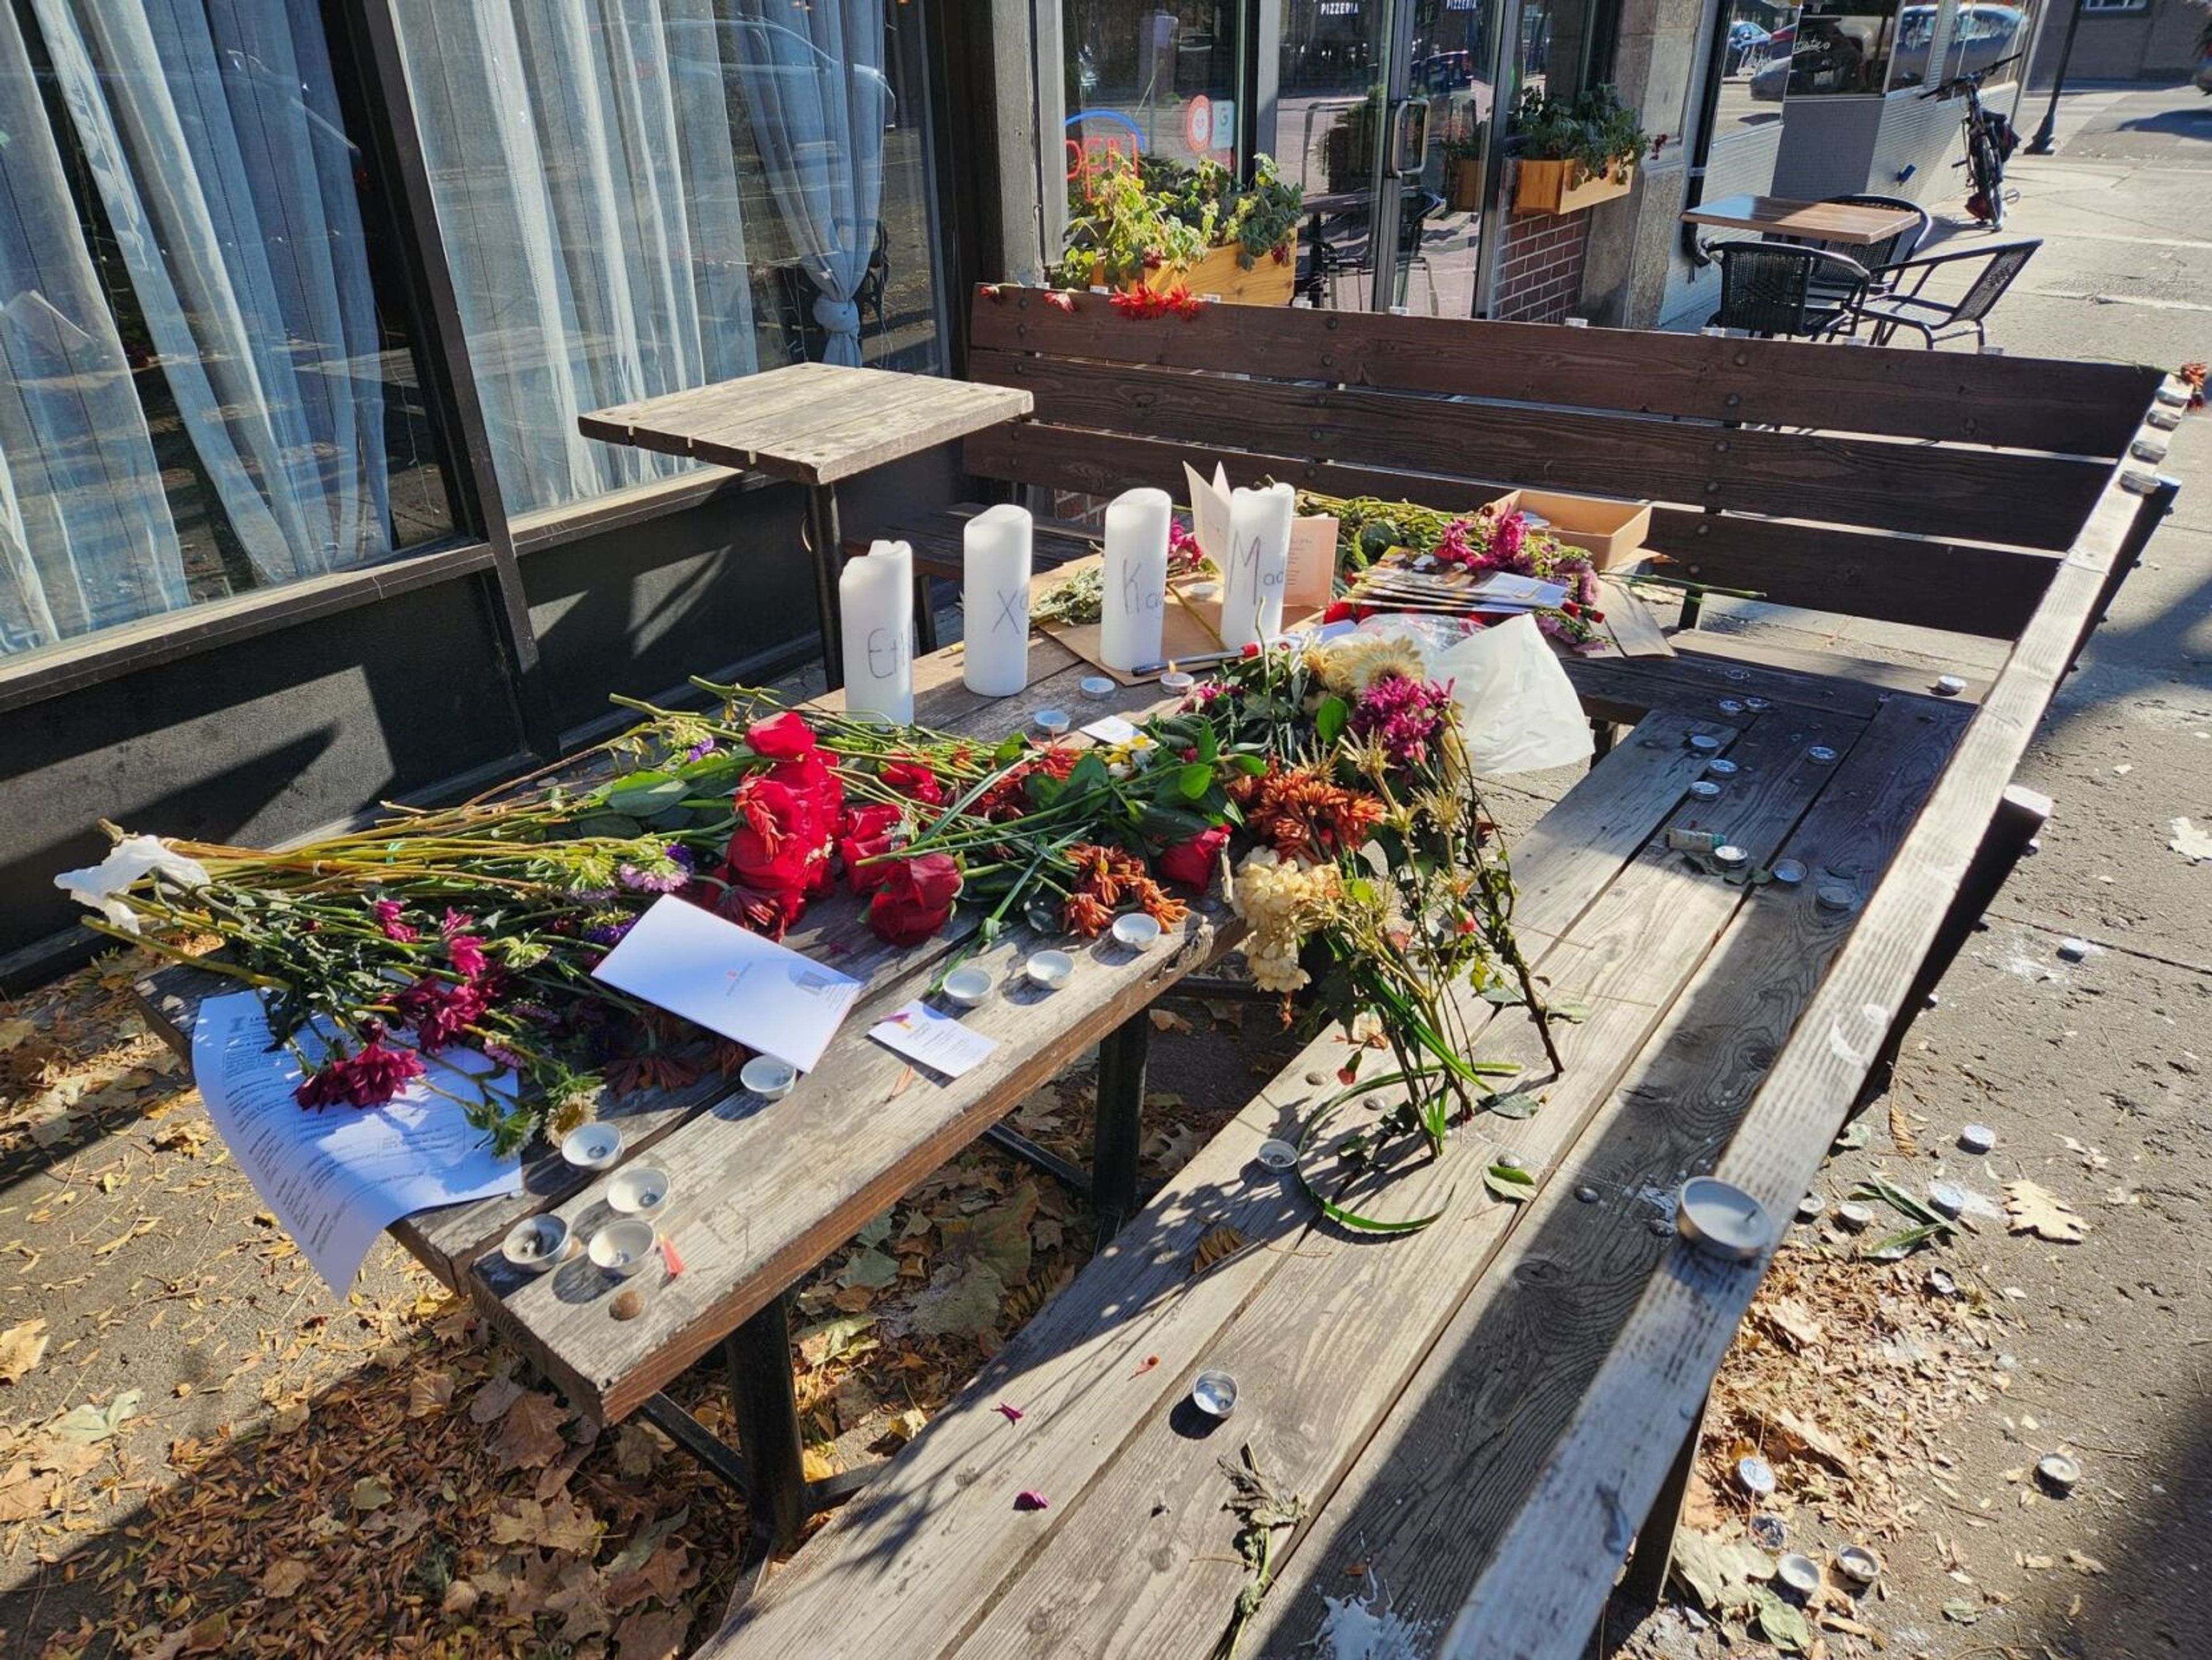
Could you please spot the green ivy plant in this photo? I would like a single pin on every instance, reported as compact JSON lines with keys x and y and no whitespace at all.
{"x":1137,"y":215}
{"x":1596,"y":129}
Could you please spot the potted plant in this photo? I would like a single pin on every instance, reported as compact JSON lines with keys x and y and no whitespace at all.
{"x":1149,"y":223}
{"x":1462,"y":154}
{"x":1574,"y":153}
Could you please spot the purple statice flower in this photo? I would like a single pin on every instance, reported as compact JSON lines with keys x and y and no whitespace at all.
{"x":1402,"y":715}
{"x":665,"y":873}
{"x":699,"y":750}
{"x":609,"y":930}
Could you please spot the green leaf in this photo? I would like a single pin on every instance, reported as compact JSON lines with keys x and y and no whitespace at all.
{"x":1521,"y":1104}
{"x":1088,"y":775}
{"x":1507,"y":1182}
{"x":1010,"y":752}
{"x":613,"y":826}
{"x":1252,"y":764}
{"x":1193,"y":779}
{"x":1330,"y":718}
{"x":1572,"y":1010}
{"x":643,"y":793}
{"x":1208,"y":744}
{"x":1502,"y":995}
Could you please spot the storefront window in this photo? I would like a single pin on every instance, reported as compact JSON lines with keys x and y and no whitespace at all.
{"x":1984,"y":37}
{"x":1144,"y":80}
{"x":1843,"y":48}
{"x":206,"y":387}
{"x":1755,"y":64}
{"x":638,"y":200}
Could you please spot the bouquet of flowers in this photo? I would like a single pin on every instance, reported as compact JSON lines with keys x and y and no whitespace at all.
{"x":1330,"y":779}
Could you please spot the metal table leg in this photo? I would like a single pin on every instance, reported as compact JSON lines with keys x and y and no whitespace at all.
{"x":1120,"y":1122}
{"x":758,"y":1357}
{"x":827,"y":544}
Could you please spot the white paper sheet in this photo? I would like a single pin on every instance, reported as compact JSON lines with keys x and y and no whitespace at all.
{"x":338,"y":1177}
{"x":1503,"y":588}
{"x":934,"y":1039}
{"x":731,"y":980}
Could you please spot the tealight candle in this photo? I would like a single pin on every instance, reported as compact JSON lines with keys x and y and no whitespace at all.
{"x":592,"y":1146}
{"x":1132,"y":606}
{"x":994,"y":600}
{"x":1051,"y":722}
{"x":1096,"y":687}
{"x":640,"y":1193}
{"x":538,"y":1243}
{"x":1177,"y":681}
{"x":768,"y":1077}
{"x":1049,"y":969}
{"x":968,"y":986}
{"x":1136,"y":931}
{"x":623,"y":1249}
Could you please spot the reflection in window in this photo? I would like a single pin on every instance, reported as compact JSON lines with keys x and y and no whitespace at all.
{"x":201,"y":389}
{"x":1145,"y":79}
{"x":638,"y":200}
{"x":1983,"y":36}
{"x":1843,"y":48}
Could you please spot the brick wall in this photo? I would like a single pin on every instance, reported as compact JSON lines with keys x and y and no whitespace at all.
{"x":1540,"y":269}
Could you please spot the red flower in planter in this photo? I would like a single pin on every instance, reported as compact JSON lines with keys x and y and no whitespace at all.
{"x":915,"y":898}
{"x":1191,"y":862}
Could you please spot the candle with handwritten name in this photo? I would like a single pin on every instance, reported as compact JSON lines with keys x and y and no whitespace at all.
{"x":875,"y":601}
{"x":1259,"y":560}
{"x":1134,"y":605}
{"x":995,"y":596}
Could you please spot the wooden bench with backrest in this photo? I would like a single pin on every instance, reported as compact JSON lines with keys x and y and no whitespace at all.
{"x":1479,"y":1419}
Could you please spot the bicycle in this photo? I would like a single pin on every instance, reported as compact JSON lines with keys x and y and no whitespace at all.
{"x":1991,"y":141}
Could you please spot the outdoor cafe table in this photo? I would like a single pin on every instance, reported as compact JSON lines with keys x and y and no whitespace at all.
{"x":1843,"y":222}
{"x":815,"y":423}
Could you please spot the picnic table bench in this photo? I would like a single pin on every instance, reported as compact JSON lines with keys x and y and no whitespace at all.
{"x":1484,"y":1415}
{"x":1482,"y":1419}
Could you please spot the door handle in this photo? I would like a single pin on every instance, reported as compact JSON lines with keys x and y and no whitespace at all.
{"x":1409,"y":138}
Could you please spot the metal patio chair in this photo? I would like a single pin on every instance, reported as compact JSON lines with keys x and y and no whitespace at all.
{"x":1786,"y":289}
{"x":1900,"y":300}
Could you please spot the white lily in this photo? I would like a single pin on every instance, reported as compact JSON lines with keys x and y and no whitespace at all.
{"x":99,"y":887}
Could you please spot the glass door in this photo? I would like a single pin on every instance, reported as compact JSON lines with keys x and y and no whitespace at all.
{"x":1385,"y":115}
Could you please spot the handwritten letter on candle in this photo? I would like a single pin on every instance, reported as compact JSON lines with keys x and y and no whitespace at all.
{"x":994,"y":595}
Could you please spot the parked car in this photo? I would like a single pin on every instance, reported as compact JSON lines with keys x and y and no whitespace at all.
{"x":1748,"y":45}
{"x":1982,"y":33}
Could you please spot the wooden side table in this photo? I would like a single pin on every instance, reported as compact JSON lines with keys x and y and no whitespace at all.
{"x":814,"y":424}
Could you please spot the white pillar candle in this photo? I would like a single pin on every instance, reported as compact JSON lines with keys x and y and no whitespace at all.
{"x":995,"y":599}
{"x":1134,"y":605}
{"x":875,"y":599}
{"x":1259,"y":562}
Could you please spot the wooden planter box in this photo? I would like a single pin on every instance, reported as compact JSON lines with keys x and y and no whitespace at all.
{"x":1612,"y":532}
{"x":1269,"y":282}
{"x":1463,"y":183}
{"x":1566,"y":187}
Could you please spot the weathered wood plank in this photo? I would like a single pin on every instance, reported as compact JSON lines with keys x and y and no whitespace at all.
{"x":1993,"y":496}
{"x":1461,"y":1447}
{"x":1905,"y":679}
{"x":924,"y":1548}
{"x":765,"y":1189}
{"x":814,"y":423}
{"x":1889,"y":577}
{"x":1536,"y":1598}
{"x":2023,"y":402}
{"x":1635,"y":630}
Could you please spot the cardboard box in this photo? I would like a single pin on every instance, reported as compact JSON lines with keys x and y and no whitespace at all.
{"x":1612,"y":532}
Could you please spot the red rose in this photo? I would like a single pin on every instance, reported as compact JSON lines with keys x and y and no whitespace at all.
{"x":912,"y":778}
{"x":783,"y":737}
{"x":1339,"y":610}
{"x":915,"y":898}
{"x":781,"y":843}
{"x":1191,"y":862}
{"x":810,"y":776}
{"x":867,"y":835}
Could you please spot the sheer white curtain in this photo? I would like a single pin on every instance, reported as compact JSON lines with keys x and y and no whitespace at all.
{"x":212,"y":133}
{"x":581,"y":160}
{"x":85,"y":539}
{"x":819,"y":103}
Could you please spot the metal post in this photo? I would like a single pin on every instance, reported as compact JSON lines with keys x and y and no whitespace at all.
{"x":1120,"y":1122}
{"x":2042,"y":143}
{"x":757,"y":1356}
{"x":827,"y":544}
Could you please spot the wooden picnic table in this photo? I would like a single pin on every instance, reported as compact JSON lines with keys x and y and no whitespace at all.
{"x":814,"y":424}
{"x":1818,"y":222}
{"x":765,"y":1190}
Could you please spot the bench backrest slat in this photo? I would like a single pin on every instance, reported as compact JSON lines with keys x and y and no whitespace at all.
{"x":2080,"y":409}
{"x":1978,"y":494}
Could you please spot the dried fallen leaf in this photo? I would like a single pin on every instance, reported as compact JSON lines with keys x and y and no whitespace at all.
{"x":2034,"y":1209}
{"x":530,"y":1435}
{"x":494,"y":1399}
{"x":429,"y":1393}
{"x":658,"y":1635}
{"x":370,"y":1493}
{"x":461,"y":1599}
{"x":89,"y":1422}
{"x":2082,"y":1563}
{"x":284,"y":1578}
{"x":1215,"y":1246}
{"x":22,"y":1347}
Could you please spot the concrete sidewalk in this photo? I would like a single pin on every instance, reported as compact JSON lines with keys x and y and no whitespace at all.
{"x":2093,"y":1072}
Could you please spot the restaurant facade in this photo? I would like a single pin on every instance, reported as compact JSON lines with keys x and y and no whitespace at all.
{"x":300,"y":300}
